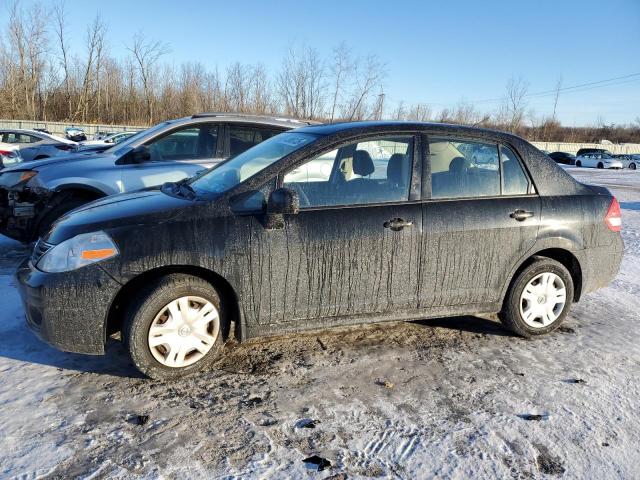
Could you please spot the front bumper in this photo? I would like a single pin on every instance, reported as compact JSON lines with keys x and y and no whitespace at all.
{"x":19,"y":213}
{"x":68,"y":310}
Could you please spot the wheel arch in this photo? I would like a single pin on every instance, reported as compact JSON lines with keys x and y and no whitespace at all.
{"x":228,"y":296}
{"x":561,"y":255}
{"x":84,"y":189}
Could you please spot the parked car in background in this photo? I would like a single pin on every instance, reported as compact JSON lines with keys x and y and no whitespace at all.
{"x":629,"y":161}
{"x":35,"y":145}
{"x":563,"y":158}
{"x":248,"y":244}
{"x":75,"y":134}
{"x":100,"y":135}
{"x":9,"y":155}
{"x":33,"y":196}
{"x":584,"y":151}
{"x":43,"y":130}
{"x":106,"y":142}
{"x":598,"y":160}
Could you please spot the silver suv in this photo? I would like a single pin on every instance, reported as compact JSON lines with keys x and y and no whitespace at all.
{"x":34,"y":195}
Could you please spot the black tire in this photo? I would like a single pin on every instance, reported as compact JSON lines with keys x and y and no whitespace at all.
{"x":510,"y":315}
{"x":632,"y":166}
{"x":142,"y":312}
{"x":64,"y":206}
{"x":578,"y":163}
{"x":600,"y":165}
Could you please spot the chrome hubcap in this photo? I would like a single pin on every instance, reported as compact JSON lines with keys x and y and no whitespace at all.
{"x":184,"y":331}
{"x":542,"y":300}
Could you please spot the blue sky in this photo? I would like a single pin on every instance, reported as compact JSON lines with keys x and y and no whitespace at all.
{"x":436,"y":52}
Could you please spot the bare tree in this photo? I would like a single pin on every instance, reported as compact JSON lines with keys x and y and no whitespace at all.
{"x":514,"y":103}
{"x":340,"y":68}
{"x":146,"y":54}
{"x":367,"y":79}
{"x":300,"y":83}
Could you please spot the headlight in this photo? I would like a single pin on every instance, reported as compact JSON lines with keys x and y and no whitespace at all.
{"x":11,"y":179}
{"x":79,"y":251}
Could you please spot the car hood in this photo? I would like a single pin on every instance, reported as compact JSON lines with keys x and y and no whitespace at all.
{"x":149,"y":206}
{"x":40,"y":164}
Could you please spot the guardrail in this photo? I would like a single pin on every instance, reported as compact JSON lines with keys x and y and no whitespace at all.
{"x":57,"y":128}
{"x":618,"y":148}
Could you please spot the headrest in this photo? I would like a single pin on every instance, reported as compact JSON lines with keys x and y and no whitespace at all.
{"x":459,"y":164}
{"x":396,"y":168}
{"x":362,"y":163}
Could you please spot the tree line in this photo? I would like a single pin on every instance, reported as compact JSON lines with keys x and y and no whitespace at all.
{"x":44,"y":77}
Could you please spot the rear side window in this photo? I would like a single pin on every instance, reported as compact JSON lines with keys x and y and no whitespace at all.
{"x":242,"y":138}
{"x":185,"y":144}
{"x":462,"y":169}
{"x":514,"y":180}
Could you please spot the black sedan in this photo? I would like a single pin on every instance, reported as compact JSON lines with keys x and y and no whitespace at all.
{"x":324,"y":226}
{"x":564,"y":158}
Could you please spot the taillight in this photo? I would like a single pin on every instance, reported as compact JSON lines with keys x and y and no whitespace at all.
{"x":7,"y":153}
{"x":613,"y":218}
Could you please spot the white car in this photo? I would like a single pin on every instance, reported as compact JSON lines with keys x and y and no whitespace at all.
{"x":9,"y":155}
{"x":109,"y":140}
{"x":598,"y":160}
{"x":632,"y":162}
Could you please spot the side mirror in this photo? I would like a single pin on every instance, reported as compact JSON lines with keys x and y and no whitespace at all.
{"x":140,"y":154}
{"x":283,"y":201}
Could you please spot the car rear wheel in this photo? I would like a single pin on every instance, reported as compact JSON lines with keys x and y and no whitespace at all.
{"x":539,"y":298}
{"x":632,"y":166}
{"x":578,"y":163}
{"x":600,"y":165}
{"x":175,"y":328}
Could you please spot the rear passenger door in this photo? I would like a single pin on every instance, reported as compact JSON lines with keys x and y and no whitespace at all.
{"x":481,"y":216}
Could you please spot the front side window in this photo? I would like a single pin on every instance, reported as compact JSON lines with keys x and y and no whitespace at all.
{"x":185,"y":144}
{"x":242,"y":138}
{"x":462,"y":169}
{"x":366,"y":172}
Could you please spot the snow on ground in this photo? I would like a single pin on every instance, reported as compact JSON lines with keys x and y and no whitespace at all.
{"x":452,"y":398}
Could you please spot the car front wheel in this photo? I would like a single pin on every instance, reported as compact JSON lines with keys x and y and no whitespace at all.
{"x":578,"y":163}
{"x":539,"y":298}
{"x":632,"y":166}
{"x":175,"y":328}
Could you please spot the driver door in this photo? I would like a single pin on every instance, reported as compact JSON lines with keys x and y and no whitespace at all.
{"x":351,"y":249}
{"x":176,"y":155}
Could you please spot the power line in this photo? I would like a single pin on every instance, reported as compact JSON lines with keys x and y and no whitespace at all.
{"x":593,"y":85}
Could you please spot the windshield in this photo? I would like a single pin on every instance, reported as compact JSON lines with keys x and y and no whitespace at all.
{"x":249,"y":163}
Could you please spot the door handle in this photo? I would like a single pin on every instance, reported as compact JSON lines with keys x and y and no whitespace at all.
{"x":397,"y":224}
{"x":521,"y":215}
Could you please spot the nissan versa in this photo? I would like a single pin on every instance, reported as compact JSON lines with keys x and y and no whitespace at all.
{"x":324,"y":226}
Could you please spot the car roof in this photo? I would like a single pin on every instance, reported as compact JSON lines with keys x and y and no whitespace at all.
{"x":373,"y":126}
{"x":277,"y":121}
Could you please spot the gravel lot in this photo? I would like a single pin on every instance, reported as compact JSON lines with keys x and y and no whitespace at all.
{"x":452,"y":397}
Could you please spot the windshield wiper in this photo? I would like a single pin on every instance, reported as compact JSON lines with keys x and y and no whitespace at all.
{"x":180,"y":189}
